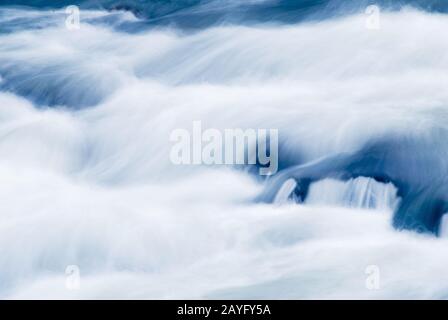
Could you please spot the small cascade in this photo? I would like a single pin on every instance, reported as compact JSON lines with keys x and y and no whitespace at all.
{"x":355,"y":193}
{"x":443,"y":231}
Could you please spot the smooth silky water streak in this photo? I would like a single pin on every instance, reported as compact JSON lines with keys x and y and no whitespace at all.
{"x":85,"y":118}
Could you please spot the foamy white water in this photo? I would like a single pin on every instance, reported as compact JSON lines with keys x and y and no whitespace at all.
{"x":88,"y":181}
